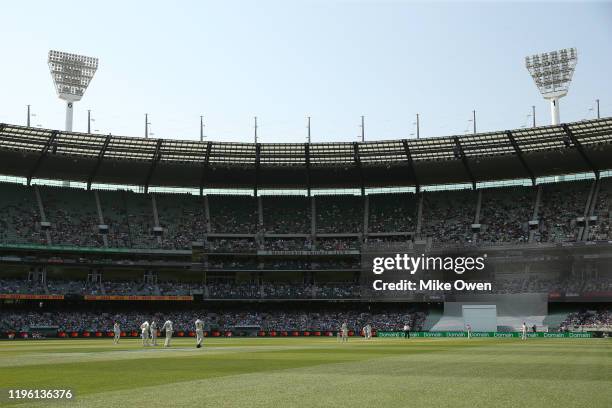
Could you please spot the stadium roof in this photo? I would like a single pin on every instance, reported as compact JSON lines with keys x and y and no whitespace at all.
{"x":523,"y":153}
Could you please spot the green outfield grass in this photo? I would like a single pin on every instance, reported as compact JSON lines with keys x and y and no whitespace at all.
{"x":316,"y":372}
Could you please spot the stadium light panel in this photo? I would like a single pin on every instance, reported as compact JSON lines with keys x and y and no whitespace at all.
{"x":71,"y":74}
{"x":552,"y":72}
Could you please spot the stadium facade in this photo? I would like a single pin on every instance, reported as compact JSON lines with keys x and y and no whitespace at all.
{"x":284,"y":241}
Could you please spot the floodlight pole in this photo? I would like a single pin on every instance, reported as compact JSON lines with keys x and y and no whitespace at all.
{"x":28,"y":121}
{"x":255,"y":129}
{"x":554,"y":111}
{"x":147,"y":125}
{"x":596,"y":100}
{"x":201,"y":128}
{"x":418,"y":132}
{"x":362,"y":128}
{"x":309,"y":129}
{"x":88,"y":120}
{"x":474,"y":120}
{"x":69,"y":115}
{"x":533,"y":115}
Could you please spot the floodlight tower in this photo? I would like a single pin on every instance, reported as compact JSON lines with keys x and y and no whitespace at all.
{"x":71,"y":74}
{"x":552,"y":73}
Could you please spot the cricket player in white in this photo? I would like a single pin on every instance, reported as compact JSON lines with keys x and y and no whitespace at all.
{"x":368,"y":332}
{"x":153,"y":331}
{"x":406,"y":331}
{"x":468,"y":329}
{"x":524,"y":331}
{"x":344,"y":330}
{"x":168,"y":328}
{"x":144,"y":328}
{"x":117,"y":331}
{"x":199,"y":325}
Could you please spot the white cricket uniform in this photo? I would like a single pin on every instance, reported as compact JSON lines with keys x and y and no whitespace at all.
{"x":199,"y":325}
{"x":468,"y":328}
{"x":168,"y":328}
{"x":144,"y":328}
{"x":524,"y":332}
{"x":117,"y":331}
{"x":153,"y":331}
{"x":344,"y":331}
{"x":406,"y":331}
{"x":368,"y":331}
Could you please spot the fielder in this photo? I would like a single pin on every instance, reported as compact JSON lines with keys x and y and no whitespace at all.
{"x":153,"y":331}
{"x":168,"y":328}
{"x":199,"y":325}
{"x":144,"y":328}
{"x":406,"y":331}
{"x":468,"y":329}
{"x":368,"y":331}
{"x":344,"y":331}
{"x":524,"y":331}
{"x":117,"y":331}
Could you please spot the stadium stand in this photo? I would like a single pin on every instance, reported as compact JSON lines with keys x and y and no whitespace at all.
{"x":286,"y":215}
{"x":392,"y":212}
{"x":233,"y":214}
{"x":505,"y":214}
{"x":290,"y":319}
{"x":225,"y":246}
{"x":73,"y":216}
{"x":339,"y":214}
{"x":20,"y":219}
{"x":448,"y":216}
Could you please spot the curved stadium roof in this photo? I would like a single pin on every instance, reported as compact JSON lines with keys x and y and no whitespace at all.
{"x":524,"y":153}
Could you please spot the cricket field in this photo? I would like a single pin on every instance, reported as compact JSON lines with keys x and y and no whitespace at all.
{"x":313,"y":372}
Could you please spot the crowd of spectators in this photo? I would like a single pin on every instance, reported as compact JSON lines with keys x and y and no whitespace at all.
{"x":62,"y":287}
{"x":230,"y":245}
{"x":561,"y":204}
{"x":505,"y":214}
{"x":286,"y":264}
{"x":335,"y":264}
{"x":287,"y":215}
{"x":502,"y":284}
{"x":288,"y":291}
{"x":21,"y":286}
{"x":550,"y":283}
{"x":386,"y":240}
{"x":339,"y":214}
{"x":288,"y":244}
{"x":602,"y":230}
{"x":392,"y":212}
{"x":19,"y":217}
{"x":74,"y":216}
{"x":588,"y":319}
{"x":233,"y":214}
{"x":337,"y":244}
{"x":233,"y":263}
{"x":232,"y":290}
{"x":115,"y":216}
{"x":211,"y":289}
{"x":447,"y":218}
{"x":217,"y":320}
{"x":183,"y":219}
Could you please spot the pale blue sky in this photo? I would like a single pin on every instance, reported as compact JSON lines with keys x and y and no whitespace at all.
{"x":285,"y":60}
